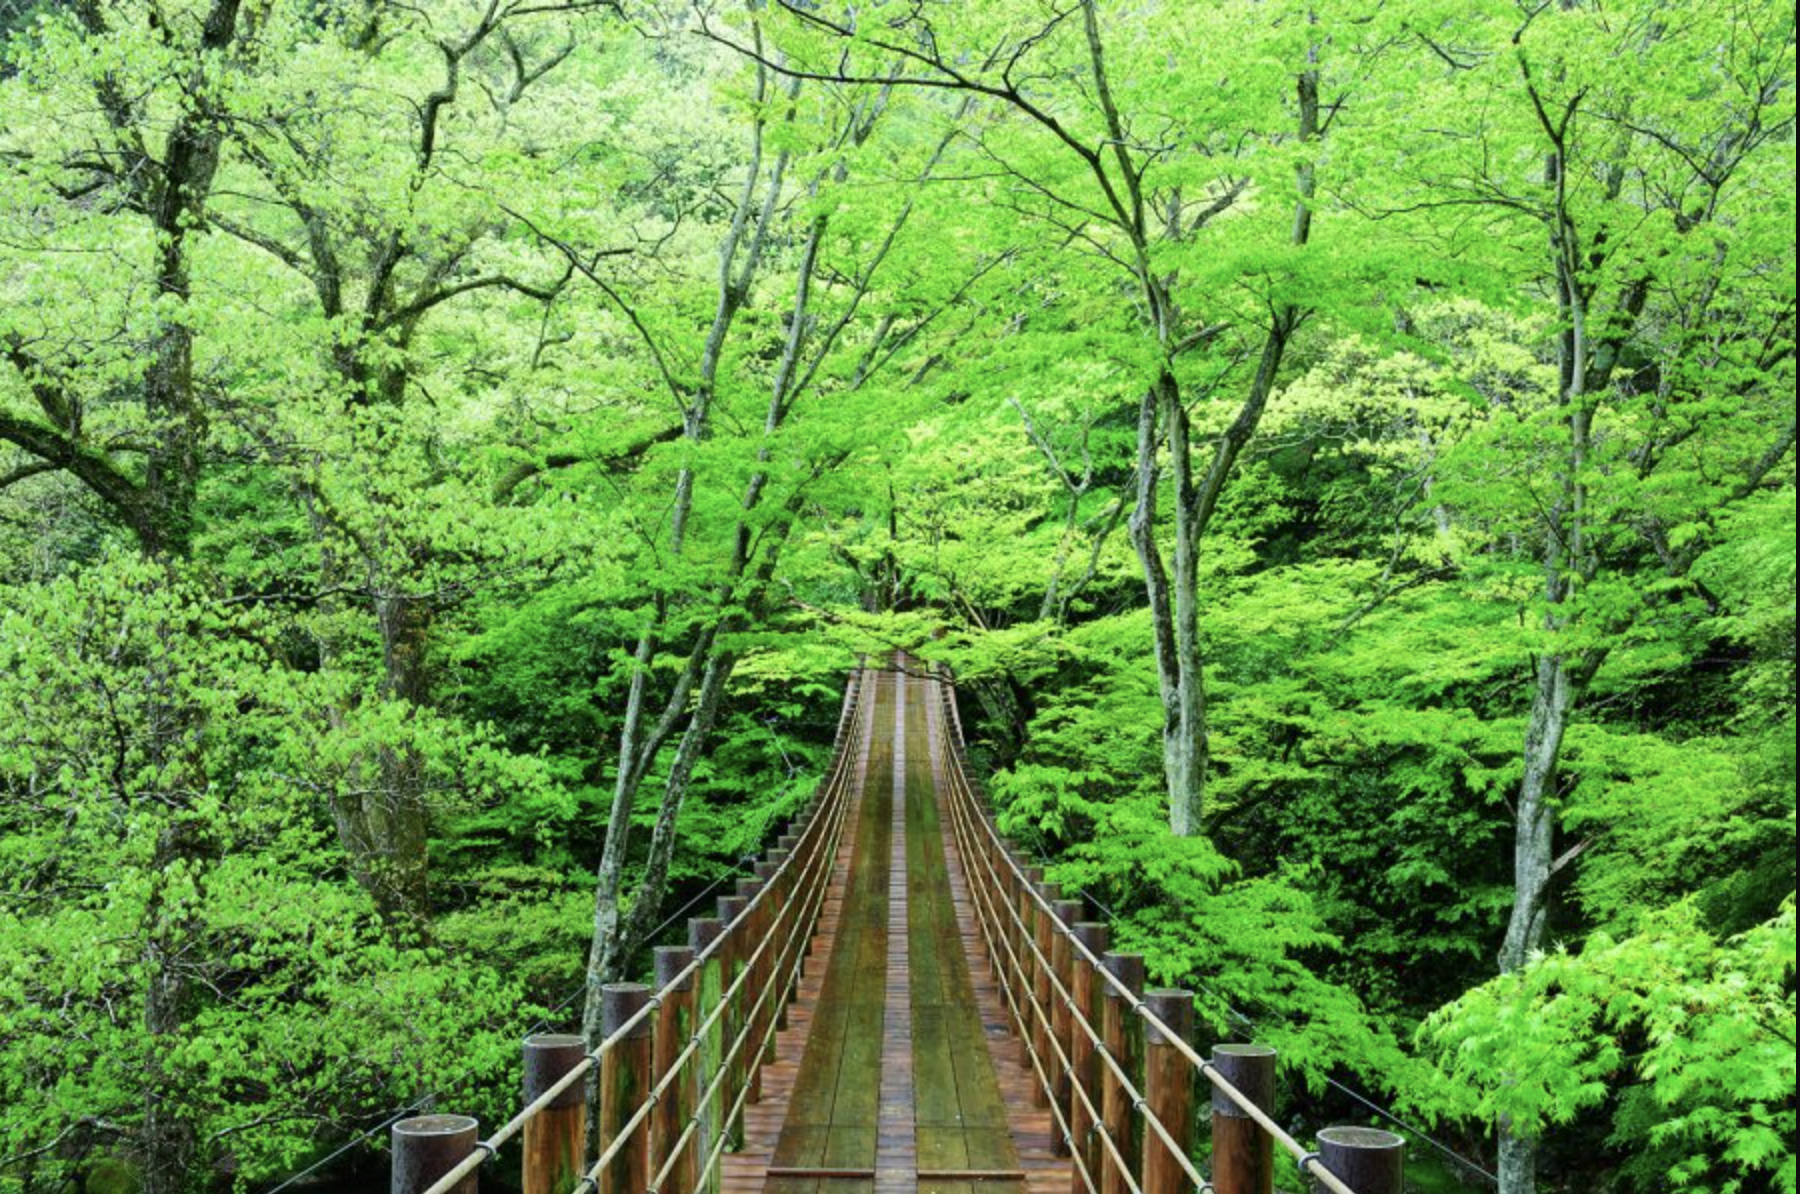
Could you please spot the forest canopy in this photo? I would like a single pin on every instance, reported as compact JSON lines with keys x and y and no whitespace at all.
{"x":453,"y":452}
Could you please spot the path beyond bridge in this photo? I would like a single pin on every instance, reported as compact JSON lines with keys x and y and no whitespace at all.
{"x":896,"y":1002}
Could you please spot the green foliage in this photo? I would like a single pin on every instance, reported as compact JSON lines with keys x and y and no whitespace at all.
{"x":1695,"y":1034}
{"x":167,"y":828}
{"x":390,"y":395}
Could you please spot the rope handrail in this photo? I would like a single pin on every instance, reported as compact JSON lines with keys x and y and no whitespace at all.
{"x":662,"y":1084}
{"x":988,"y":917}
{"x":809,"y":863}
{"x":1043,"y":1018}
{"x":1307,"y":1160}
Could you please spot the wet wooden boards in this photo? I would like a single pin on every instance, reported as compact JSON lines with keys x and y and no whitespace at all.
{"x":896,"y":1071}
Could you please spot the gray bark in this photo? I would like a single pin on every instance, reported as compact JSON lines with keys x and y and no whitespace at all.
{"x":710,"y":664}
{"x":1174,"y":593}
{"x":740,"y":257}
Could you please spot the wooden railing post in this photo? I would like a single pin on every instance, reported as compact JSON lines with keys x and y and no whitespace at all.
{"x":1368,"y":1160}
{"x":1243,"y":1154}
{"x":554,"y":1141}
{"x":426,"y":1147}
{"x":1024,"y":883}
{"x":780,"y":893}
{"x":755,"y":930}
{"x":1123,"y":1033}
{"x":1003,"y":892}
{"x":1168,"y":1091}
{"x":702,"y":932}
{"x":624,"y":1084}
{"x":1063,"y":914}
{"x":674,"y":1028}
{"x":731,"y":953}
{"x":1085,"y":1055}
{"x":1042,"y":930}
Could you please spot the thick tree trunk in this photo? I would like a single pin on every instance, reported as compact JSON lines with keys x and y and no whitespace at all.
{"x":168,"y":1134}
{"x":1517,"y":1168}
{"x":383,"y":820}
{"x":401,"y":830}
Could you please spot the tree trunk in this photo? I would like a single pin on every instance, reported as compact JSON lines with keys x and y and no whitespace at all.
{"x":1172,"y":607}
{"x":168,"y":1134}
{"x":400,"y":831}
{"x":1174,"y":600}
{"x":1533,"y":842}
{"x":1559,"y":677}
{"x":384,"y":825}
{"x":1552,"y":702}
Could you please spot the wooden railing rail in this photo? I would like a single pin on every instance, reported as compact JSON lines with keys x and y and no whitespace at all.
{"x":698,"y":1040}
{"x":1125,"y":1114}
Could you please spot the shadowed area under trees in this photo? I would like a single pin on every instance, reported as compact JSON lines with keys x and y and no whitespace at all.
{"x":452,"y":454}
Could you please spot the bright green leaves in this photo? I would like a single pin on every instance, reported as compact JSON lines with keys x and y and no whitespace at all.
{"x":1699,"y":1031}
{"x":166,"y":802}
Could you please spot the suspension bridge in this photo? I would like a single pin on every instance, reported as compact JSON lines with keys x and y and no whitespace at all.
{"x":896,"y":1001}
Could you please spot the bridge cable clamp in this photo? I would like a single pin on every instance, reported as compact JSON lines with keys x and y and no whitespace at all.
{"x":1304,"y":1160}
{"x":485,"y":1146}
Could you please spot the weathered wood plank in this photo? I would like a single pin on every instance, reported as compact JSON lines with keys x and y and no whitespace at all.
{"x":897,"y":1069}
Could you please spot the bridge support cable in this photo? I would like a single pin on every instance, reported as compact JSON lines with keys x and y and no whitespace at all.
{"x":655,"y":1094}
{"x":1041,"y":961}
{"x":1019,"y":974}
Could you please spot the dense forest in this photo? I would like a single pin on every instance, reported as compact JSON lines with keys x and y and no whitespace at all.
{"x":451,"y":453}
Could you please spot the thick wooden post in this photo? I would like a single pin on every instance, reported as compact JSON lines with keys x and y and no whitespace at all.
{"x":1086,"y":1056}
{"x":1243,"y":1154}
{"x":1025,"y":883}
{"x":624,"y":1084}
{"x":1000,"y":894}
{"x":1123,"y":1032}
{"x":426,"y":1147}
{"x":702,"y":932}
{"x":774,"y":968}
{"x":1168,"y":1091}
{"x":987,"y":866}
{"x":1043,"y":931}
{"x":1368,"y":1160}
{"x":1016,"y":877}
{"x":674,"y":1029}
{"x":731,"y":954}
{"x":756,"y":932}
{"x":554,"y":1142}
{"x":1063,"y":914}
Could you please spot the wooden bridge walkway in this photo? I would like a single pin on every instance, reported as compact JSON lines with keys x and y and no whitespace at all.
{"x":898,"y":1070}
{"x":896,"y":1001}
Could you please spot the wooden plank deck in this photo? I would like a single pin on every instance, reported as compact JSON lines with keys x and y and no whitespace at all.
{"x":897,"y":1062}
{"x":962,"y":1121}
